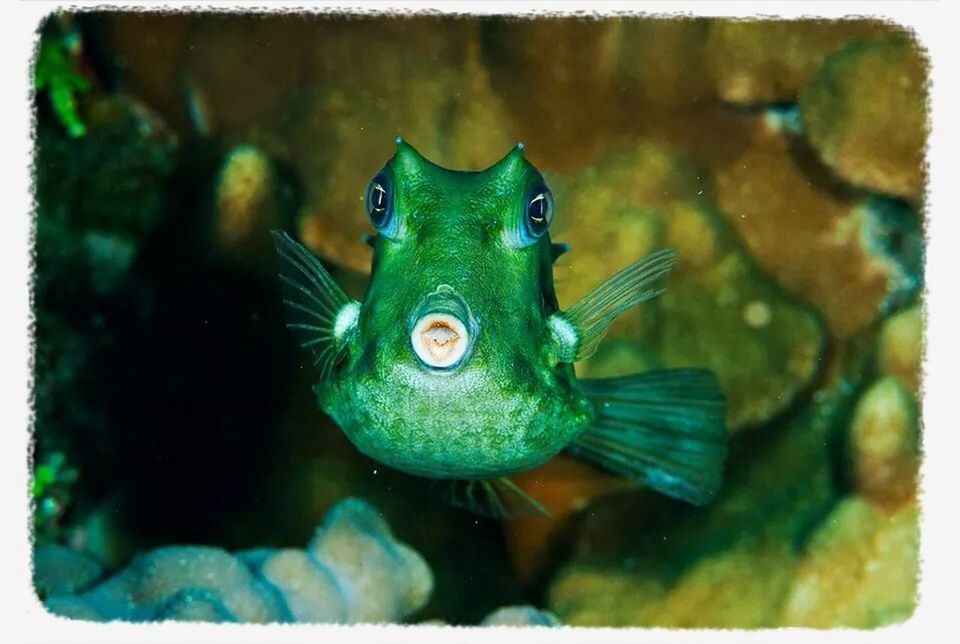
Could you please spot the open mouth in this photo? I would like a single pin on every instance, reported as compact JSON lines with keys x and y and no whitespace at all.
{"x":439,"y":339}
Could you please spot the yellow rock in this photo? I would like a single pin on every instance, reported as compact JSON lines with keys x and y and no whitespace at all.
{"x":244,"y":202}
{"x":860,"y":569}
{"x":764,"y":345}
{"x":865,"y":113}
{"x":764,"y":61}
{"x":801,"y":231}
{"x":884,"y":438}
{"x":900,"y":347}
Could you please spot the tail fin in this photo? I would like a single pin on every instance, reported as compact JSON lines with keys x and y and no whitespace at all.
{"x":662,"y":428}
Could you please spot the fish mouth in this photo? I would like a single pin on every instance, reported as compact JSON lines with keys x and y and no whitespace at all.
{"x":443,"y":330}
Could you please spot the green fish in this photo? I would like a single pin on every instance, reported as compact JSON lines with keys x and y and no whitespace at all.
{"x":458,"y":362}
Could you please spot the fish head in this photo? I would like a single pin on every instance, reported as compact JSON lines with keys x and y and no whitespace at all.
{"x":451,"y":371}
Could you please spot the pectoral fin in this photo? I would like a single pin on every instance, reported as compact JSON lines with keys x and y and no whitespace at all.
{"x":578,"y":330}
{"x":662,"y":428}
{"x":494,"y":498}
{"x":319,"y":313}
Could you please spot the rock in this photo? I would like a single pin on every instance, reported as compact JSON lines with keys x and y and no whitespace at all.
{"x":536,"y":75}
{"x":152,"y":582}
{"x":520,"y":616}
{"x":357,"y":547}
{"x":771,"y":61}
{"x":58,"y":570}
{"x":148,"y":48}
{"x":308,"y":587}
{"x":764,"y":345}
{"x":611,"y":80}
{"x":865,"y":113}
{"x":860,"y":569}
{"x":884,"y":444}
{"x":352,"y":571}
{"x":900,"y":347}
{"x":661,"y":63}
{"x":873,"y":245}
{"x":246,"y":205}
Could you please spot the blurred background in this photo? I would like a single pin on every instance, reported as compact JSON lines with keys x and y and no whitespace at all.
{"x":784,"y":160}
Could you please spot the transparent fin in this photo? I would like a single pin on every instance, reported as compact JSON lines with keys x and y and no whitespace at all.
{"x":557,"y":249}
{"x":498,"y":498}
{"x":319,"y":313}
{"x":590,"y":318}
{"x":662,"y":428}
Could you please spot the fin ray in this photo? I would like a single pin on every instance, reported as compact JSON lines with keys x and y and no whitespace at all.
{"x":314,"y":303}
{"x":592,"y":315}
{"x":498,"y":498}
{"x":664,"y":428}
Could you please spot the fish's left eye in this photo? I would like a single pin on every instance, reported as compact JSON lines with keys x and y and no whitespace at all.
{"x":379,"y":201}
{"x":539,"y":211}
{"x":537,"y":214}
{"x":533,"y":218}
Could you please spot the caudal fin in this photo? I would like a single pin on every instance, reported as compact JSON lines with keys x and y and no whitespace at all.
{"x":662,"y":428}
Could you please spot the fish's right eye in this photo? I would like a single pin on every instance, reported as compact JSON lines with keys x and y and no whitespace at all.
{"x":379,"y":201}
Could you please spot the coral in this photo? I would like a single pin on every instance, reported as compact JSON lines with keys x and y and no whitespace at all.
{"x":865,"y":113}
{"x":884,"y":443}
{"x":860,"y":569}
{"x":611,"y":80}
{"x":56,"y":73}
{"x":353,"y":570}
{"x":768,"y":61}
{"x":58,"y":570}
{"x":535,"y":75}
{"x":900,"y":347}
{"x":246,"y":207}
{"x":520,"y":616}
{"x":834,"y":236}
{"x":764,"y":345}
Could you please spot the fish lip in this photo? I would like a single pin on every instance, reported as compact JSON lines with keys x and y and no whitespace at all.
{"x":441,"y":318}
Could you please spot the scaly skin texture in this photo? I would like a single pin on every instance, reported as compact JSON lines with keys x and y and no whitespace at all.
{"x":510,"y":405}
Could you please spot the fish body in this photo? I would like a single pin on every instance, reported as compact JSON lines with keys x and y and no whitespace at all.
{"x":458,"y":362}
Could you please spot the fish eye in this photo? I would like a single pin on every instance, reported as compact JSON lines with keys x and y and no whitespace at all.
{"x":539,"y":211}
{"x":379,"y":201}
{"x":534,"y":218}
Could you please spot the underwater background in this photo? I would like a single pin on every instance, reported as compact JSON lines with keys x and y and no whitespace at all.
{"x":783,"y":160}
